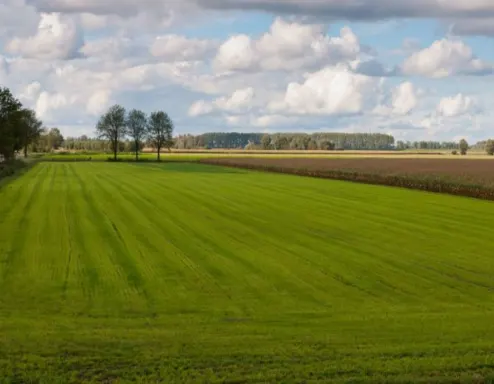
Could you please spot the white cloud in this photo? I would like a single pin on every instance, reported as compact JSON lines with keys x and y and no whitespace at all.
{"x":445,"y":58}
{"x":287,"y":46}
{"x":455,"y":106}
{"x":404,"y":99}
{"x":31,"y":92}
{"x":47,"y":103}
{"x":237,"y":53}
{"x":265,"y":121}
{"x":240,"y":100}
{"x":331,"y":91}
{"x":199,"y":108}
{"x":178,"y":48}
{"x":98,"y":102}
{"x":110,"y":48}
{"x":58,"y":37}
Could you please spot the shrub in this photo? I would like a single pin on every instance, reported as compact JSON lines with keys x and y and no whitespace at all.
{"x":454,"y":152}
{"x":8,"y":169}
{"x":489,"y":147}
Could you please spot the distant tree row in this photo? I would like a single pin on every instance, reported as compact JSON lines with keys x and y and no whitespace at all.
{"x":19,"y":126}
{"x":485,"y":145}
{"x":116,"y":124}
{"x":404,"y":145}
{"x":287,"y":141}
{"x":48,"y":140}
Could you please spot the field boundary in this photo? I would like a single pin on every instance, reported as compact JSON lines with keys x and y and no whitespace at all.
{"x":435,"y":185}
{"x":15,"y":170}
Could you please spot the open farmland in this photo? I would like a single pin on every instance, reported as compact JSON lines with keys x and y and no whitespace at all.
{"x":116,"y":272}
{"x":459,"y":176}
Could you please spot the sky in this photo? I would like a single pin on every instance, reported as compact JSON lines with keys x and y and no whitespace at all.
{"x":419,"y":70}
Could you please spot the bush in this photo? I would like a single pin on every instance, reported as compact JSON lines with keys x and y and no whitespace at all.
{"x":10,"y":168}
{"x":454,"y":153}
{"x":489,"y":147}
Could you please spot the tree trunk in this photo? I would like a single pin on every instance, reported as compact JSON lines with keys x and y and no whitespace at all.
{"x":137,"y":152}
{"x":25,"y":151}
{"x":159,"y":150}
{"x":115,"y":149}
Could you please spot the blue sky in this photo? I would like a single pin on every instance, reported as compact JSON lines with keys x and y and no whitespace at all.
{"x":419,"y":70}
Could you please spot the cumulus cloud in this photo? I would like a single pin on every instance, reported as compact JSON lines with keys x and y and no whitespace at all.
{"x":30,"y":92}
{"x":404,"y":99}
{"x":177,"y":48}
{"x":111,"y":48}
{"x":445,"y":58}
{"x":98,"y":102}
{"x":287,"y":46}
{"x":330,"y":91}
{"x":47,"y":103}
{"x":455,"y":106}
{"x":58,"y":37}
{"x":240,"y":100}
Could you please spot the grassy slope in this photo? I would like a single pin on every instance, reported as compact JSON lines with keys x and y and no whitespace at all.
{"x":181,"y":272}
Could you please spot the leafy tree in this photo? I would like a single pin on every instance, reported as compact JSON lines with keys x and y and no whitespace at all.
{"x":160,"y":131}
{"x":9,"y":120}
{"x":463,"y":147}
{"x":136,"y":129}
{"x":30,"y":128}
{"x":326,"y":145}
{"x":111,"y":126}
{"x":266,"y":142}
{"x":489,"y":147}
{"x":55,"y":138}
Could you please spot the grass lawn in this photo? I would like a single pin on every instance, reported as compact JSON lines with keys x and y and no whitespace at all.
{"x":122,"y":272}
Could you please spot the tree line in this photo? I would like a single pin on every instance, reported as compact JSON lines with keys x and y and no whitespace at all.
{"x":116,"y":124}
{"x":287,"y":141}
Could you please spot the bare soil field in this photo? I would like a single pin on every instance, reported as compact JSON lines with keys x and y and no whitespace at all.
{"x":307,"y":152}
{"x":474,"y":178}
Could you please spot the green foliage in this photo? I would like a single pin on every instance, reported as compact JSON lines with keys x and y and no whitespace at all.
{"x":160,"y":131}
{"x":10,"y":168}
{"x":192,"y":273}
{"x":463,"y":147}
{"x":112,"y":127}
{"x":136,"y":129}
{"x":489,"y":147}
{"x":10,"y":127}
{"x":285,"y":141}
{"x":30,"y":128}
{"x":266,"y":142}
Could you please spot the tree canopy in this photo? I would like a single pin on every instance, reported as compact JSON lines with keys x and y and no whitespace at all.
{"x":19,"y":127}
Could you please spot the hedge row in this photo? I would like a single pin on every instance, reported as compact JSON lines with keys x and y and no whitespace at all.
{"x":437,"y":185}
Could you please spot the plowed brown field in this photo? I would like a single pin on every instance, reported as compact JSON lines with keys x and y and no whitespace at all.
{"x":466,"y":177}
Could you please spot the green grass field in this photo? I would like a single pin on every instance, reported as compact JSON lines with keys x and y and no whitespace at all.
{"x":124,"y":272}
